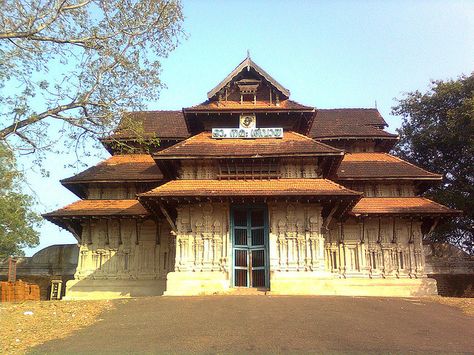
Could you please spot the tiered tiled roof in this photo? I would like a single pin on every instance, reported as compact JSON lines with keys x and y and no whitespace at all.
{"x":130,"y":167}
{"x":250,"y":188}
{"x":361,"y":166}
{"x":203,"y":145}
{"x":399,"y":206}
{"x":98,"y":208}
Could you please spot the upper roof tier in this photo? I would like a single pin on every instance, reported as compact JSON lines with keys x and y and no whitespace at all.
{"x":328,"y":125}
{"x":258,"y":105}
{"x":161,"y":124}
{"x":203,"y":145}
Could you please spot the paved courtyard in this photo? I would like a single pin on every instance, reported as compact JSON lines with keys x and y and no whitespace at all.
{"x":265,"y":324}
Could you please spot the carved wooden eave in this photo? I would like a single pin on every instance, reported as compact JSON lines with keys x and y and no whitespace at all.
{"x":248,"y":64}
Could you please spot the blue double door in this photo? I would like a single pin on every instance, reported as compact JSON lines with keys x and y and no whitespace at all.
{"x":250,"y":246}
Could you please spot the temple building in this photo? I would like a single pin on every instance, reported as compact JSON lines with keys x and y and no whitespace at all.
{"x":251,"y":190}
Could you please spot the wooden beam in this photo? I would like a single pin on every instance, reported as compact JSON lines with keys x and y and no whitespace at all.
{"x":330,"y":215}
{"x":433,"y":226}
{"x":174,"y":230}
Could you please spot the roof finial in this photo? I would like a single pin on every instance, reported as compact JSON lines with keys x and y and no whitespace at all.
{"x":248,"y":54}
{"x":375,"y":103}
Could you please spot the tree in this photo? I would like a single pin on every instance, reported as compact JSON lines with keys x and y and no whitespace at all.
{"x":73,"y":66}
{"x":17,"y":220}
{"x":437,"y":134}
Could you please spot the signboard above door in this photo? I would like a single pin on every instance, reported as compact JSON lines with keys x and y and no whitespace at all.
{"x":247,"y":129}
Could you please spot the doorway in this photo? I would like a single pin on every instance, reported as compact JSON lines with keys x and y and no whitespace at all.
{"x":249,"y":226}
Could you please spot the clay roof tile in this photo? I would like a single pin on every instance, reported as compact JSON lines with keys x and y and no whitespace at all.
{"x":360,"y":166}
{"x":400,"y":205}
{"x":97,"y":208}
{"x":203,"y":145}
{"x":274,"y":187}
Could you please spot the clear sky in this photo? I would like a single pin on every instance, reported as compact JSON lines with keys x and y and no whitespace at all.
{"x":329,"y":54}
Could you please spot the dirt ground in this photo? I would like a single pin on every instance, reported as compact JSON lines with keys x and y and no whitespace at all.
{"x":52,"y":320}
{"x":465,"y":304}
{"x":26,"y":324}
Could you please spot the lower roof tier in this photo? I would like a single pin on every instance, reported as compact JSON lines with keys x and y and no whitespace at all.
{"x":369,"y":206}
{"x":100,"y":208}
{"x":400,"y":206}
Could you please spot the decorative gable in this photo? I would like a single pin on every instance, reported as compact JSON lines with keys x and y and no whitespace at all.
{"x":249,"y":84}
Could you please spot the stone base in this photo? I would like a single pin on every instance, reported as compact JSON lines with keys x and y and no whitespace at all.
{"x":296,"y":283}
{"x":111,"y":289}
{"x":196,"y":283}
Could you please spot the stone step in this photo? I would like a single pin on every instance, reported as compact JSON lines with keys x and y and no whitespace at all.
{"x":247,"y":291}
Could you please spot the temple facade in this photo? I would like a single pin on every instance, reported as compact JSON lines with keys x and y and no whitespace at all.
{"x":251,"y":190}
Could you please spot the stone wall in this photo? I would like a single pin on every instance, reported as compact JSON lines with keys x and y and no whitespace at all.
{"x":452,"y":268}
{"x":128,"y":256}
{"x":296,"y":242}
{"x":375,"y":248}
{"x":56,"y":262}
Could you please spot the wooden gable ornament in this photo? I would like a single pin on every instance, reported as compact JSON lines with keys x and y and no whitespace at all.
{"x":249,"y":83}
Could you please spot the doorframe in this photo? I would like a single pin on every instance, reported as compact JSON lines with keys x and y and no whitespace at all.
{"x":248,"y":207}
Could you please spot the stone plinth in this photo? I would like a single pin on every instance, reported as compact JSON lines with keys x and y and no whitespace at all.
{"x":196,"y":283}
{"x":111,"y":289}
{"x":295,"y":283}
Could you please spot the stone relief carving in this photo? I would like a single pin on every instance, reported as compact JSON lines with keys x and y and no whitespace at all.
{"x":299,"y":242}
{"x":122,"y":257}
{"x":385,"y":251}
{"x":201,"y":236}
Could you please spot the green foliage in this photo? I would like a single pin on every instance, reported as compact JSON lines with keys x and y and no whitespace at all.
{"x":438,"y":134}
{"x":17,"y":220}
{"x":69,"y":69}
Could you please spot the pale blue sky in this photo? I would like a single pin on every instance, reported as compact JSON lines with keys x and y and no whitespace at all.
{"x":331,"y":54}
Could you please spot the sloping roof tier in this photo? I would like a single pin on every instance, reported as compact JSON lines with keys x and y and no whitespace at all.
{"x":349,"y":123}
{"x":352,"y":116}
{"x":250,"y":188}
{"x":400,"y":206}
{"x":362,"y":166}
{"x":328,"y":123}
{"x":99,"y":208}
{"x":343,"y":131}
{"x":203,"y":145}
{"x":160,"y":124}
{"x":123,"y":168}
{"x":248,"y":64}
{"x":285,"y":105}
